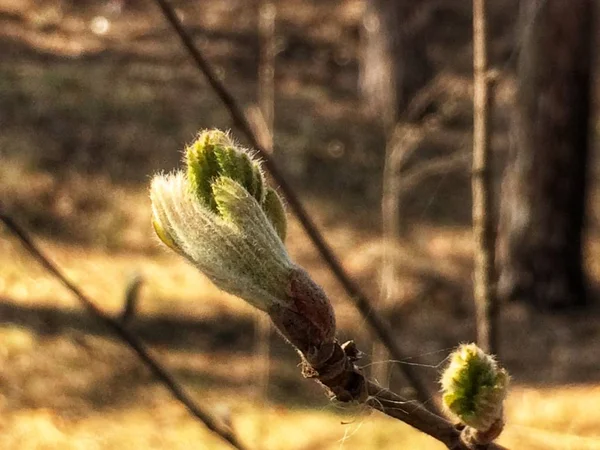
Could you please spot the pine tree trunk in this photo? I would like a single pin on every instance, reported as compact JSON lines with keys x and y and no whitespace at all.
{"x":544,"y":187}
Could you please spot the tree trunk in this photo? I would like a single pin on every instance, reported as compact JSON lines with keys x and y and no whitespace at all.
{"x":393,"y":68}
{"x":544,"y":187}
{"x":394,"y":62}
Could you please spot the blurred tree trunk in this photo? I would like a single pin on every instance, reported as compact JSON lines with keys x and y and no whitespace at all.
{"x":544,"y":187}
{"x":394,"y":66}
{"x":394,"y":63}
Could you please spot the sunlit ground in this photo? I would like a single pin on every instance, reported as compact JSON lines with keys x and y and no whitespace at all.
{"x":66,"y":383}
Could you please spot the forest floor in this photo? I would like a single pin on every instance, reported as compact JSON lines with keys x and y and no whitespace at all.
{"x":95,"y":97}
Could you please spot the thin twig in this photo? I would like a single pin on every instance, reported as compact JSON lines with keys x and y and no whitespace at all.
{"x":403,"y":142}
{"x":267,"y":12}
{"x":130,"y":303}
{"x":483,"y":223}
{"x":358,"y":298}
{"x":334,"y":366}
{"x":127,"y":336}
{"x":418,"y":417}
{"x":435,"y":166}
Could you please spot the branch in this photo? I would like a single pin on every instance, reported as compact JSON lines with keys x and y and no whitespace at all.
{"x":403,"y":142}
{"x":267,"y":12}
{"x":486,"y":304}
{"x":334,"y":366}
{"x":130,"y":303}
{"x":127,"y":336}
{"x":435,"y":166}
{"x":358,"y":298}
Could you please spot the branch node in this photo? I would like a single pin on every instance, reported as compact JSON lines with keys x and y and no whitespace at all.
{"x":333,"y":366}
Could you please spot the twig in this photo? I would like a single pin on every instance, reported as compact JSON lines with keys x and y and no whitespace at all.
{"x":435,"y":166}
{"x":132,"y":293}
{"x":334,"y":366}
{"x":359,"y":299}
{"x":127,"y":336}
{"x":415,"y":415}
{"x":483,"y":223}
{"x":267,"y":12}
{"x":266,"y":132}
{"x":402,"y":144}
{"x":420,"y":418}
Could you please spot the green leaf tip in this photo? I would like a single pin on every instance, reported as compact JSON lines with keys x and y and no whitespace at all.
{"x":474,"y":387}
{"x":275,"y":211}
{"x":213,"y":155}
{"x":203,"y":166}
{"x":163,"y":235}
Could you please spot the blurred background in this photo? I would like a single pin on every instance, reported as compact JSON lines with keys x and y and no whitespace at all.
{"x":96,"y":96}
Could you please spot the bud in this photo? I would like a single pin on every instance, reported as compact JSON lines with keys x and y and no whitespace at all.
{"x":224,"y":218}
{"x":214,"y":155}
{"x":235,"y":247}
{"x":474,"y":388}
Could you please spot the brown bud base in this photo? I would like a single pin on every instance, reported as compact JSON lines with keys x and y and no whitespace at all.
{"x":306,"y":318}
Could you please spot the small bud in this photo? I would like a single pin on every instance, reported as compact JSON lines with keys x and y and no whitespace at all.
{"x":474,"y":388}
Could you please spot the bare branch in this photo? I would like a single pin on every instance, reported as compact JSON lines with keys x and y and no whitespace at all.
{"x":127,"y":336}
{"x":132,"y":294}
{"x":359,"y":299}
{"x":333,"y":365}
{"x":403,"y":142}
{"x":483,"y":223}
{"x":435,"y":166}
{"x":267,"y":12}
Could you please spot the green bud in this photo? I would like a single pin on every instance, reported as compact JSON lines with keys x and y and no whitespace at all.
{"x":213,"y":155}
{"x":474,"y":387}
{"x":236,"y":247}
{"x":224,"y":218}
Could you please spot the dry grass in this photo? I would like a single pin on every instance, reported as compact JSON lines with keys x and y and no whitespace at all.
{"x":65,"y":384}
{"x":552,"y":418}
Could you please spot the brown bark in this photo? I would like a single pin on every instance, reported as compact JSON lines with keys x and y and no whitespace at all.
{"x":394,"y":67}
{"x":394,"y":62}
{"x":544,"y":188}
{"x":484,"y":277}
